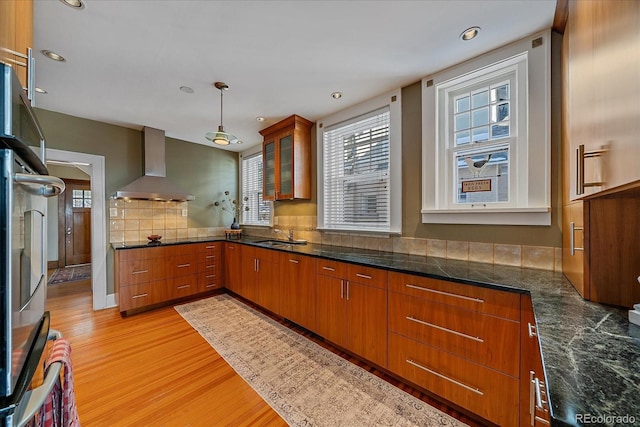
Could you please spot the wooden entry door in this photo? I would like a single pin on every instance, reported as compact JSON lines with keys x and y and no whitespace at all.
{"x":74,"y":209}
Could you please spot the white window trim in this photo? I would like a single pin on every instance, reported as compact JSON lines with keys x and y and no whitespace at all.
{"x":535,"y":208}
{"x":251,"y":151}
{"x":394,"y":101}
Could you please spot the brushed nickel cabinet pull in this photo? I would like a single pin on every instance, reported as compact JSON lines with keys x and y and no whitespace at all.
{"x":210,"y":276}
{"x":444,"y":377}
{"x":420,"y":288}
{"x":184,"y":265}
{"x":210,"y":256}
{"x":212,"y":285}
{"x":532,"y":398}
{"x":295,"y":261}
{"x":210,"y":266}
{"x":580,"y":156}
{"x":348,"y":290}
{"x":139,"y":296}
{"x":184,"y":286}
{"x":572,"y":238}
{"x":210,"y":247}
{"x":328,"y":268}
{"x":140,"y":272}
{"x":364,"y":276}
{"x":532,"y":330}
{"x":451,"y":331}
{"x":341,"y":289}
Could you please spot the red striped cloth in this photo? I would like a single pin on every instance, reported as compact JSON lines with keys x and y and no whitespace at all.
{"x":59,"y":408}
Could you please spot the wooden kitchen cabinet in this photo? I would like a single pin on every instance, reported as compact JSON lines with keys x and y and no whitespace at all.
{"x":601,"y":62}
{"x":153,"y":275}
{"x":573,"y":245}
{"x":260,"y":277}
{"x":233,"y":267}
{"x":352,"y":308}
{"x":458,"y":341}
{"x":298,"y":285}
{"x":534,"y":406}
{"x":286,"y":154}
{"x":209,"y":259}
{"x":16,"y":32}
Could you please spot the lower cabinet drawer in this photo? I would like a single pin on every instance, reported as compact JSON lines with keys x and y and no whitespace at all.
{"x":179,"y":287}
{"x":488,"y":340}
{"x":481,"y":390}
{"x":136,"y":296}
{"x":209,"y":280}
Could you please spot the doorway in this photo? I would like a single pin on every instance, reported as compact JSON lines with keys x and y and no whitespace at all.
{"x":74,"y":223}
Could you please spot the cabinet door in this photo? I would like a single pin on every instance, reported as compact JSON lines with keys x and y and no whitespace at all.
{"x":532,"y":412}
{"x":331,"y":310}
{"x":269,"y":171}
{"x":573,"y":246}
{"x":298,"y":302}
{"x":233,"y":266}
{"x":268,"y":277}
{"x":249,"y":284}
{"x":285,"y":166}
{"x":367,"y":322}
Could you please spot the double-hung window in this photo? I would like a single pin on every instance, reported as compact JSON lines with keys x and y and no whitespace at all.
{"x":486,"y":139}
{"x":255,"y":211}
{"x":358,"y":169}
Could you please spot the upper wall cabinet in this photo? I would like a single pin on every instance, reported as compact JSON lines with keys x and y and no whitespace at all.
{"x":16,"y":33}
{"x":602,"y":60}
{"x":286,"y":153}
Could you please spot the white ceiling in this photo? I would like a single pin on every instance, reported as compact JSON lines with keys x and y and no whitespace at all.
{"x":126,"y":60}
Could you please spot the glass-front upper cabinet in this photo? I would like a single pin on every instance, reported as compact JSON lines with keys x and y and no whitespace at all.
{"x":287,"y":159}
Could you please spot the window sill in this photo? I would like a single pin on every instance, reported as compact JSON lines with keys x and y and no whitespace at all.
{"x":525,"y":216}
{"x":364,"y":233}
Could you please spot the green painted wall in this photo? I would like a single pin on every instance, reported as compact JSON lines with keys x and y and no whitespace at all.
{"x":205,"y":172}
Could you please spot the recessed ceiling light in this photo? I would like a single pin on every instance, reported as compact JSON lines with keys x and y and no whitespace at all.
{"x":76,"y":4}
{"x":260,"y":119}
{"x":186,"y":89}
{"x":52,"y":55}
{"x":336,"y":95}
{"x":470,"y":33}
{"x":39,"y":90}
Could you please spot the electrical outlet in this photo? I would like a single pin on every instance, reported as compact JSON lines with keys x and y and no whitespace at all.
{"x":185,"y":212}
{"x":113,"y":212}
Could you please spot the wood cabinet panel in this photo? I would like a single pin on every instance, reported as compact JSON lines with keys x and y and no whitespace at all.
{"x":475,"y":336}
{"x":298,"y":278}
{"x":484,"y":391}
{"x":233,"y":266}
{"x":331,"y":309}
{"x":484,"y":300}
{"x":331,"y":268}
{"x":367,"y":322}
{"x":573,"y":246}
{"x":532,"y":413}
{"x":367,"y":275}
{"x":180,"y":287}
{"x":141,"y":271}
{"x":138,"y":296}
{"x":180,"y":265}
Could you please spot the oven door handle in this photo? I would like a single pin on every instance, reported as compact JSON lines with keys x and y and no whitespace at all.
{"x":47,"y":186}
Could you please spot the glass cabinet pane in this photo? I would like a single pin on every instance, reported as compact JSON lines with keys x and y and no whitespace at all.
{"x":286,"y":165}
{"x":270,"y":170}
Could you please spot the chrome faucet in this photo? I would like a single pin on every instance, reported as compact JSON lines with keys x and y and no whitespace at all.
{"x":290,"y":237}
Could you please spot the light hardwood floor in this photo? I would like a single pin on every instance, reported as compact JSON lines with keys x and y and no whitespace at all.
{"x":153,"y":369}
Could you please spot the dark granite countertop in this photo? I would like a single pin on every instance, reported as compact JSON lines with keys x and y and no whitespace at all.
{"x":591,"y":352}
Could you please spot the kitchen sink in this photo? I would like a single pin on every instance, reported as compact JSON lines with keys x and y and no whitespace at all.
{"x":274,"y":242}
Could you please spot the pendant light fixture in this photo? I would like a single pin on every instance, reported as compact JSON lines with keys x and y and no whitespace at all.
{"x":221,"y":137}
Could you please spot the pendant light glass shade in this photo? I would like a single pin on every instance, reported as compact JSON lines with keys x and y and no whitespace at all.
{"x":220,"y":137}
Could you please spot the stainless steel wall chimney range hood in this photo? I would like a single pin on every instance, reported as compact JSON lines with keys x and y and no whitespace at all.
{"x":153,"y":185}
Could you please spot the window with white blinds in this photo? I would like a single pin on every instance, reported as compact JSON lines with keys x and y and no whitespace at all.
{"x":356,"y":173}
{"x":255,"y":211}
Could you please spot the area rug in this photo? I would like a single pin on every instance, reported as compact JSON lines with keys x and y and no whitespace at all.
{"x":70,"y":274}
{"x":303,"y":382}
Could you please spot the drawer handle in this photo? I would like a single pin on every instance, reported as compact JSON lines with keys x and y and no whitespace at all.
{"x":210,"y":256}
{"x":210,"y":276}
{"x":542,"y":420}
{"x":460,"y":334}
{"x":213,"y":285}
{"x":364,"y":276}
{"x":295,"y":261}
{"x":572,"y":238}
{"x":444,"y":377}
{"x":532,"y":330}
{"x":328,"y":268}
{"x":210,"y":266}
{"x":209,"y":247}
{"x":184,"y":265}
{"x":139,"y":296}
{"x":539,"y":385}
{"x":184,"y":286}
{"x":449,"y":294}
{"x":140,"y":272}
